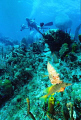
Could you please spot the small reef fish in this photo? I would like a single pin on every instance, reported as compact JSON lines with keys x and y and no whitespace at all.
{"x":55,"y":88}
{"x":58,"y":85}
{"x":53,"y":75}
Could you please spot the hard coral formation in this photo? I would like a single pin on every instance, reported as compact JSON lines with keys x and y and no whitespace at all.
{"x":56,"y":39}
{"x":23,"y":44}
{"x":38,"y":47}
{"x":6,"y":90}
{"x":19,"y":67}
{"x":5,"y":87}
{"x":64,"y":49}
{"x":74,"y":47}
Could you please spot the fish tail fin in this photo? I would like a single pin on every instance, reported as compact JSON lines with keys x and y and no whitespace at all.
{"x":43,"y":98}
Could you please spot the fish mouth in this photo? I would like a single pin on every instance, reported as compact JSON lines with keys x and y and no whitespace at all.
{"x":68,"y":84}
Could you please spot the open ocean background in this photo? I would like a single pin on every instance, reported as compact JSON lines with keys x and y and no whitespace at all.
{"x":14,"y":12}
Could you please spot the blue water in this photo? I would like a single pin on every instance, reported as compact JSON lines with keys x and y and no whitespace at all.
{"x":14,"y":12}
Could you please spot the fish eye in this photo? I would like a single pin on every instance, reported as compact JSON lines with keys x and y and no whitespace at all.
{"x":66,"y":83}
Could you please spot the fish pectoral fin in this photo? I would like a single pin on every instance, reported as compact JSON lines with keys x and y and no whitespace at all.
{"x":61,"y":89}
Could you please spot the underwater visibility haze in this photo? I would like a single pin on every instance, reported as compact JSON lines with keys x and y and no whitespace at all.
{"x":13,"y":14}
{"x":40,"y":60}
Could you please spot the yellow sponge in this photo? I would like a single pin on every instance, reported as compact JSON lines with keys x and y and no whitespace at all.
{"x":51,"y":105}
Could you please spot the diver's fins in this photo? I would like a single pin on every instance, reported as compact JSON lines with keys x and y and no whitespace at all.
{"x":48,"y":24}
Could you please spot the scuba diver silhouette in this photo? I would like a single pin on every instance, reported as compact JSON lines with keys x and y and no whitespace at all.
{"x":33,"y":25}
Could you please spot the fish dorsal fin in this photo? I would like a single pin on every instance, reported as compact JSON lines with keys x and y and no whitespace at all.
{"x":53,"y":75}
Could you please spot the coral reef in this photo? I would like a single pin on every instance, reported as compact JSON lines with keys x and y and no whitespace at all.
{"x":38,"y":47}
{"x":8,"y":41}
{"x":55,"y":39}
{"x":23,"y":44}
{"x":24,"y":75}
{"x":64,"y":49}
{"x":5,"y":87}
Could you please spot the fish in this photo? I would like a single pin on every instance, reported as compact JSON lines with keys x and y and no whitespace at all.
{"x":57,"y":84}
{"x":55,"y":88}
{"x":53,"y":75}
